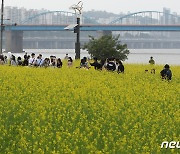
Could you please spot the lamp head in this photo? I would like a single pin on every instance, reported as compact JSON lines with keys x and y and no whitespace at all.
{"x":77,"y":7}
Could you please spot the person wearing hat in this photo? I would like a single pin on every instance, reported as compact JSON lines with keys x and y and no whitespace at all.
{"x":32,"y":60}
{"x":166,"y":73}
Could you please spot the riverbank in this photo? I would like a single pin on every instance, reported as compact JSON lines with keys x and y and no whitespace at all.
{"x":138,"y":56}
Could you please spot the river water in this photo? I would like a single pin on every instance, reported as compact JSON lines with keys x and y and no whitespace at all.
{"x":140,"y":56}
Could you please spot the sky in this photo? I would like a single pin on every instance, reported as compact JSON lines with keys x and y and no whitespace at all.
{"x":115,"y":6}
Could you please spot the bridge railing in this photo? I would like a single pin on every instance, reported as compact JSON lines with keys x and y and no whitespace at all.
{"x":148,"y":18}
{"x":55,"y":18}
{"x":137,"y":18}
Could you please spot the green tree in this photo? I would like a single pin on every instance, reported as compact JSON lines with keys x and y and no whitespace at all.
{"x":107,"y":46}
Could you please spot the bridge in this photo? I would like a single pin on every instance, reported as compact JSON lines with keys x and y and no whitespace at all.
{"x":138,"y":21}
{"x":95,"y":28}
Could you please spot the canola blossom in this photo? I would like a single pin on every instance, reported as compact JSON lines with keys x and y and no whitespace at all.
{"x":73,"y":110}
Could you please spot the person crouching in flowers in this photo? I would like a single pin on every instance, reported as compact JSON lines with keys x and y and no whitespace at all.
{"x":166,"y":73}
{"x":111,"y":66}
{"x":53,"y":61}
{"x":1,"y":59}
{"x":32,"y":60}
{"x":84,"y":63}
{"x":39,"y":61}
{"x":120,"y":66}
{"x":70,"y":62}
{"x":96,"y":64}
{"x":13,"y":61}
{"x":19,"y":61}
{"x":46,"y":62}
{"x":59,"y":63}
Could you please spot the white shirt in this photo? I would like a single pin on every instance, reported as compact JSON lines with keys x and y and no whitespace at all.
{"x":39,"y":62}
{"x":32,"y":61}
{"x":13,"y":62}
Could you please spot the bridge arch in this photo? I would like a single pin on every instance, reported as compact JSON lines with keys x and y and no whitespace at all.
{"x":150,"y":17}
{"x":62,"y":17}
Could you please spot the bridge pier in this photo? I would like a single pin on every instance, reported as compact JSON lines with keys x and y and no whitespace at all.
{"x":14,"y":41}
{"x":36,"y":45}
{"x":104,"y":32}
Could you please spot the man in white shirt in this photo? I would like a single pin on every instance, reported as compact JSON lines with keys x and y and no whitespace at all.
{"x":39,"y":60}
{"x":32,"y":60}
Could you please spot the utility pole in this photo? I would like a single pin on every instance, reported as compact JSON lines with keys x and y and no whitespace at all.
{"x":78,"y":11}
{"x":77,"y":44}
{"x":2,"y":25}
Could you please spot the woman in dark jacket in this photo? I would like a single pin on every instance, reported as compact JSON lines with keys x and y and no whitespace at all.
{"x":166,"y":73}
{"x":120,"y":67}
{"x":59,"y":63}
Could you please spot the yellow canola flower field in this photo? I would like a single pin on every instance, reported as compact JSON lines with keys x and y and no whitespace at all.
{"x":72,"y":110}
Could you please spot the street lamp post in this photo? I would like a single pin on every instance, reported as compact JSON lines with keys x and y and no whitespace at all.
{"x":77,"y":44}
{"x":78,"y":11}
{"x":2,"y":25}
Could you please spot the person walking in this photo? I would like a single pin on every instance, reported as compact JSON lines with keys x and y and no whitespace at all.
{"x":66,"y":57}
{"x":152,"y":63}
